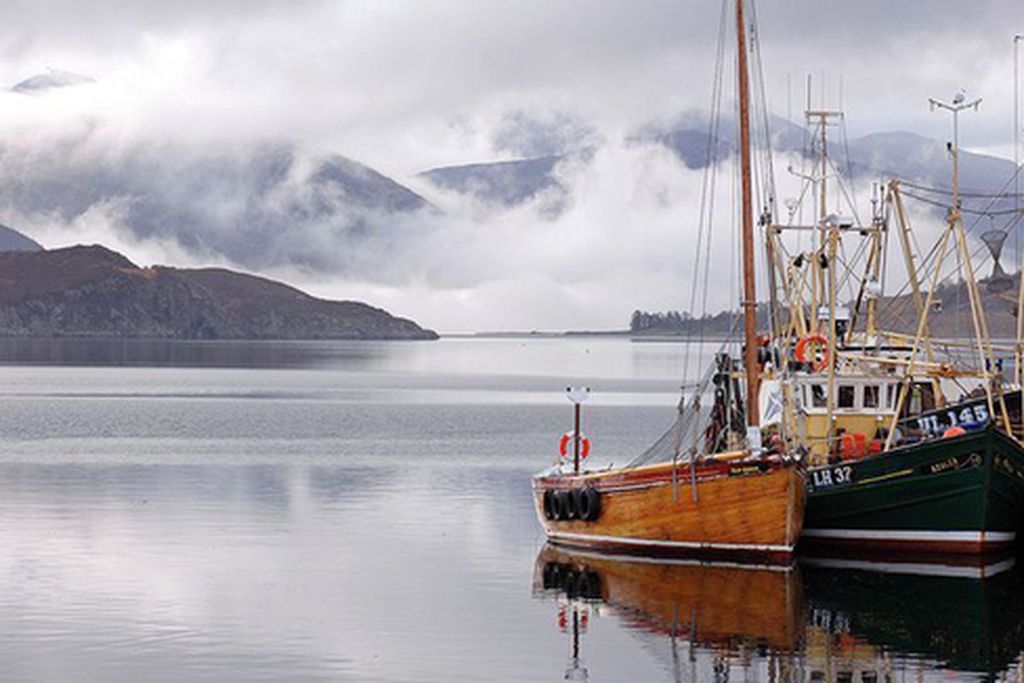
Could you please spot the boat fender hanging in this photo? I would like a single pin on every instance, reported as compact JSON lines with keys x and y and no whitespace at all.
{"x":567,"y":509}
{"x":820,"y":342}
{"x":589,"y":507}
{"x":563,"y":445}
{"x":550,"y":508}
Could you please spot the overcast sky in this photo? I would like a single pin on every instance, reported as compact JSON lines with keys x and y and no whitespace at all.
{"x":404,"y":86}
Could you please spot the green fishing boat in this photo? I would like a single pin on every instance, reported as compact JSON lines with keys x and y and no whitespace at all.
{"x":957,"y":494}
{"x":912,"y":443}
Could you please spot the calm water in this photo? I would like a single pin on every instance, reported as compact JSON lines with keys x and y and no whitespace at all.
{"x":333,"y":511}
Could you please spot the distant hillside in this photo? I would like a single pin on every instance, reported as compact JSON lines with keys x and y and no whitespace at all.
{"x":95,"y":292}
{"x":949,"y":318}
{"x":951,"y":315}
{"x":12,"y":240}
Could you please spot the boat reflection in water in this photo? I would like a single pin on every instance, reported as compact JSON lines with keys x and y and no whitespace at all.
{"x":826,"y":619}
{"x":915,"y":617}
{"x":711,"y":617}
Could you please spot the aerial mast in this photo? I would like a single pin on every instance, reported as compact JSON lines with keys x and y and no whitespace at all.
{"x":749,"y":289}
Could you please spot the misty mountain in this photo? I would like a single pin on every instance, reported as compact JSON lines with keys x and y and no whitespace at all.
{"x":12,"y":240}
{"x":920,"y":159}
{"x":878,"y":156}
{"x":54,"y":78}
{"x":506,"y":183}
{"x":259,"y":206}
{"x":93,"y":291}
{"x":688,"y":136}
{"x":874,"y":157}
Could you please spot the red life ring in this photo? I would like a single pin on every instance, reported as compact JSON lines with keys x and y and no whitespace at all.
{"x":820,"y":342}
{"x":563,"y":445}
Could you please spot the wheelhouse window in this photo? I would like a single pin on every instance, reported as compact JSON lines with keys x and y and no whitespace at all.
{"x":870,"y":395}
{"x":818,"y":399}
{"x":846,"y":396}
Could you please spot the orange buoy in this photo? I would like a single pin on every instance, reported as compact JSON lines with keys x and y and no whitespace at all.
{"x":563,"y":445}
{"x":953,"y":431}
{"x":820,"y":342}
{"x":860,"y":445}
{"x":847,"y":444}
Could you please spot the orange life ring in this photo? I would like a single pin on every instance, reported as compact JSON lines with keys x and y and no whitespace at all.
{"x":563,"y":445}
{"x":820,"y":342}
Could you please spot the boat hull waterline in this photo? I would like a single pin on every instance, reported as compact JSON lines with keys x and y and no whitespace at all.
{"x":726,"y":510}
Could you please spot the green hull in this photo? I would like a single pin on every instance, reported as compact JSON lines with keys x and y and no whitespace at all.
{"x":959,"y":494}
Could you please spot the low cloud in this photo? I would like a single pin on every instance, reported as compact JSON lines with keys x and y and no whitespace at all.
{"x":179,"y":91}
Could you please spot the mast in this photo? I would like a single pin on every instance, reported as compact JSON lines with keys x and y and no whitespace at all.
{"x":749,"y":289}
{"x":1018,"y":365}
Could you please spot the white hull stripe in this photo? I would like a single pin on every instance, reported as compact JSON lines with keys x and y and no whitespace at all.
{"x":915,"y":568}
{"x":929,"y":536}
{"x":687,"y":545}
{"x":675,"y":561}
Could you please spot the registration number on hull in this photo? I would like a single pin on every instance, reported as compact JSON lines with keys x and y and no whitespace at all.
{"x":935,"y":423}
{"x":831,"y":476}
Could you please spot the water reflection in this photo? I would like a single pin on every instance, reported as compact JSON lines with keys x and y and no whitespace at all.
{"x":915,"y":616}
{"x":701,"y":619}
{"x":826,"y":619}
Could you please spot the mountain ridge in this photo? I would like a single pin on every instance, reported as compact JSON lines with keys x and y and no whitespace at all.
{"x":93,"y":291}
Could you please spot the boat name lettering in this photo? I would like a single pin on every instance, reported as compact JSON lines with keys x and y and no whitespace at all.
{"x":744,"y":470}
{"x":932,"y":424}
{"x":956,"y":462}
{"x":832,"y":477}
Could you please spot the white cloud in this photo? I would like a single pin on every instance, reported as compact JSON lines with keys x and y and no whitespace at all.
{"x":408,"y":86}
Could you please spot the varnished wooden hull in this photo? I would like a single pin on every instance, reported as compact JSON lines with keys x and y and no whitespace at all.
{"x":730,"y":510}
{"x":714,"y":604}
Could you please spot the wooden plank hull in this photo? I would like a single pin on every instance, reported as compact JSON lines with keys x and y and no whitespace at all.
{"x":957,"y":495}
{"x":729,"y":510}
{"x":712,"y":604}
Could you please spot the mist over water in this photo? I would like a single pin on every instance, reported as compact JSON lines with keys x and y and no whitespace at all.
{"x":315,"y":511}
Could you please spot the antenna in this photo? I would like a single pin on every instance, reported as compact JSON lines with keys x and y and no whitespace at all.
{"x":957,"y":106}
{"x":1016,"y":124}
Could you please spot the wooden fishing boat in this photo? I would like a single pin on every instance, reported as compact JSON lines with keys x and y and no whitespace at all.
{"x":716,"y":489}
{"x":715,"y":509}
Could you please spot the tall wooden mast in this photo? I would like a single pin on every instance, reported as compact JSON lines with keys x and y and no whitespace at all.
{"x":749,"y":289}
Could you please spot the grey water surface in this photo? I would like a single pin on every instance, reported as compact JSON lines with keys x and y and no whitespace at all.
{"x":361,"y":511}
